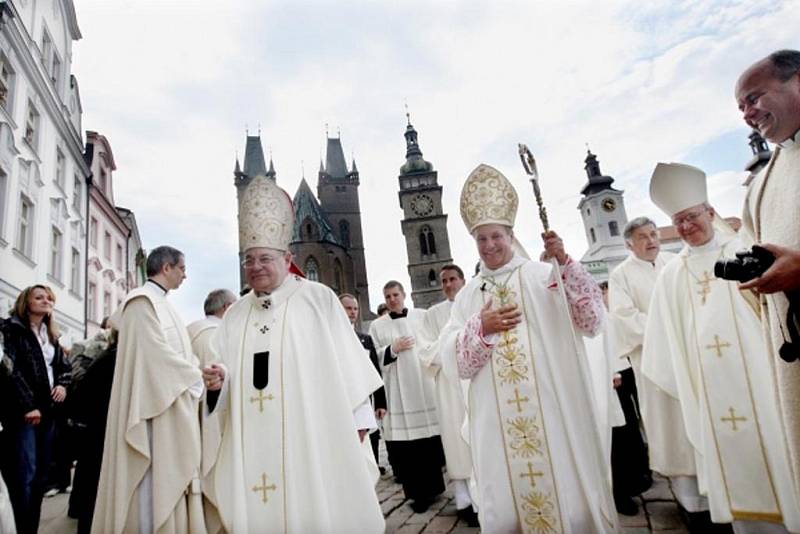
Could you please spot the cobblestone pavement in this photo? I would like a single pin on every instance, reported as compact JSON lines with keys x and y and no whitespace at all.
{"x":658,"y":513}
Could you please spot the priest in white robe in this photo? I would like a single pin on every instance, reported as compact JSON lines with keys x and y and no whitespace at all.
{"x":150,"y":475}
{"x":537,"y":455}
{"x":411,"y":424}
{"x":703,"y":346}
{"x":449,"y":394}
{"x":768,"y":95}
{"x":294,"y":385}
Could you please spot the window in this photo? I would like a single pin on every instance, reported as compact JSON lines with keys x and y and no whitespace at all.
{"x":119,"y":256}
{"x":55,"y":72}
{"x":103,"y":181}
{"x":75,"y":271}
{"x":92,"y":301}
{"x":432,"y":280}
{"x":61,"y":169}
{"x":77,"y":196}
{"x":47,"y":49}
{"x":312,"y":270}
{"x":93,"y":232}
{"x":106,"y":303}
{"x":613,"y":228}
{"x":25,"y":229}
{"x":107,"y":245}
{"x":3,"y":186}
{"x":591,"y":233}
{"x":338,"y":277}
{"x":55,"y":253}
{"x":344,"y":232}
{"x":427,"y":242}
{"x":32,"y":125}
{"x":6,"y":84}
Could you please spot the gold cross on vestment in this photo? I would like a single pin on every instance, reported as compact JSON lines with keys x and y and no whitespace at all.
{"x":531,"y":474}
{"x":263,"y":488}
{"x":733,"y":419}
{"x":718,"y":345}
{"x":260,"y":398}
{"x":518,"y":400}
{"x":705,"y":286}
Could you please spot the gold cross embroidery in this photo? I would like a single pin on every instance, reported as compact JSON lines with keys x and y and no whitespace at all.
{"x":518,"y":400}
{"x":260,"y":398}
{"x":263,"y":488}
{"x":733,"y":419}
{"x":705,"y":286}
{"x":531,"y":474}
{"x":718,"y":345}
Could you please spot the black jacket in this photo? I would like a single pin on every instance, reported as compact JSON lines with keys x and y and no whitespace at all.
{"x":27,"y":388}
{"x":380,"y":395}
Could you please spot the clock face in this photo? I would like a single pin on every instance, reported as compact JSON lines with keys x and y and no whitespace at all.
{"x":422,"y":205}
{"x":609,"y":204}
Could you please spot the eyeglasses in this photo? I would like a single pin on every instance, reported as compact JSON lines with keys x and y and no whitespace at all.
{"x":261,"y":261}
{"x":689,"y":218}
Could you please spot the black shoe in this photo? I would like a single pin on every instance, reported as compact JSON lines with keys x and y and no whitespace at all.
{"x":382,"y":470}
{"x":626,"y":506}
{"x":420,"y":505}
{"x":469,"y":516}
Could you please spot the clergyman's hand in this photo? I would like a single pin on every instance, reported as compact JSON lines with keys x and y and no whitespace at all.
{"x":361,"y":434}
{"x":401,"y":344}
{"x":503,"y":318}
{"x":59,"y":393}
{"x":783,"y":274}
{"x":380,"y":413}
{"x":554,"y":247}
{"x":213,"y":376}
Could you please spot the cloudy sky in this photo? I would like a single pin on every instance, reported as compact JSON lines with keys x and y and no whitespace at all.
{"x":174,"y":85}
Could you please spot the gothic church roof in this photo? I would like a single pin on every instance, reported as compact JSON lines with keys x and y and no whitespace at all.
{"x":335,"y":165}
{"x":307,"y":206}
{"x":254,"y":163}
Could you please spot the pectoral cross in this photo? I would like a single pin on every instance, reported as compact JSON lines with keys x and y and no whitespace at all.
{"x":718,"y":345}
{"x":733,"y":419}
{"x":518,"y":400}
{"x":266,"y":303}
{"x":263,"y":488}
{"x":531,"y":474}
{"x":260,"y":398}
{"x":705,"y":286}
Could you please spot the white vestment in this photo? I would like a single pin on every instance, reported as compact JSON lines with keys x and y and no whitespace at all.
{"x":410,"y":389}
{"x":771,"y":215}
{"x":630,"y":288}
{"x":449,"y":393}
{"x":290,"y":459}
{"x":537,"y":456}
{"x":200,"y":334}
{"x":703,"y":346}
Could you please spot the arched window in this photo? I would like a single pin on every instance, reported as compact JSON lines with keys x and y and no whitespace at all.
{"x":312,"y":269}
{"x":310,"y":231}
{"x":427,"y":242}
{"x":591,"y":233}
{"x":344,"y":232}
{"x":338,"y":277}
{"x":432,"y":280}
{"x":613,"y":228}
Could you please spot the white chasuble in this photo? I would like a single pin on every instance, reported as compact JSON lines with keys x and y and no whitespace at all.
{"x":703,"y":345}
{"x":290,"y":459}
{"x":449,"y":393}
{"x":630,"y":288}
{"x":410,"y":389}
{"x":537,"y":456}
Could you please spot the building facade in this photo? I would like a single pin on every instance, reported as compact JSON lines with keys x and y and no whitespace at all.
{"x":115,"y":259}
{"x":424,"y":224}
{"x":327,"y":241}
{"x":43,"y":176}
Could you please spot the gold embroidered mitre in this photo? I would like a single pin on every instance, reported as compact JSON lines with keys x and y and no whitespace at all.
{"x":266,"y":216}
{"x":488,"y":198}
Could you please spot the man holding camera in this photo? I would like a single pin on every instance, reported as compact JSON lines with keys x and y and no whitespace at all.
{"x":703,"y":346}
{"x":768,"y":95}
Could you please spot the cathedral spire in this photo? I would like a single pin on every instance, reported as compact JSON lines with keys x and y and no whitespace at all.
{"x":254,"y":164}
{"x":596,"y":180}
{"x":271,"y":171}
{"x":414,"y":160}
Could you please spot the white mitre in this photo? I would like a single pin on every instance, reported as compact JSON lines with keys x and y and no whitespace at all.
{"x":488,"y":198}
{"x":266,"y":216}
{"x":675,"y":187}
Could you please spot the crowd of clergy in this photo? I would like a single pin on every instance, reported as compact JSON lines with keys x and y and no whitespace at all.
{"x":549,"y":400}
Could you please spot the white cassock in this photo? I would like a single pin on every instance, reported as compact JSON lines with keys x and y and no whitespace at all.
{"x":537,"y":456}
{"x":630,"y":288}
{"x":200,"y":334}
{"x":410,"y":389}
{"x":703,"y":346}
{"x":449,"y":393}
{"x":290,"y":459}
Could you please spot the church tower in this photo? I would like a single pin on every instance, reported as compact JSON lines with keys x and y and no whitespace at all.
{"x":337,"y":189}
{"x":424,"y":224}
{"x":761,"y":156}
{"x":603,"y":212}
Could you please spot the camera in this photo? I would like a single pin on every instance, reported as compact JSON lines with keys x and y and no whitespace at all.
{"x":747,"y":264}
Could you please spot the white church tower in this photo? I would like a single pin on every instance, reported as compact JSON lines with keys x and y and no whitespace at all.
{"x":603,"y":212}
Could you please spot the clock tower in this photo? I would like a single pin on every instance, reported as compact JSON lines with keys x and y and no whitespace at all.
{"x":603,"y":212}
{"x":424,"y":224}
